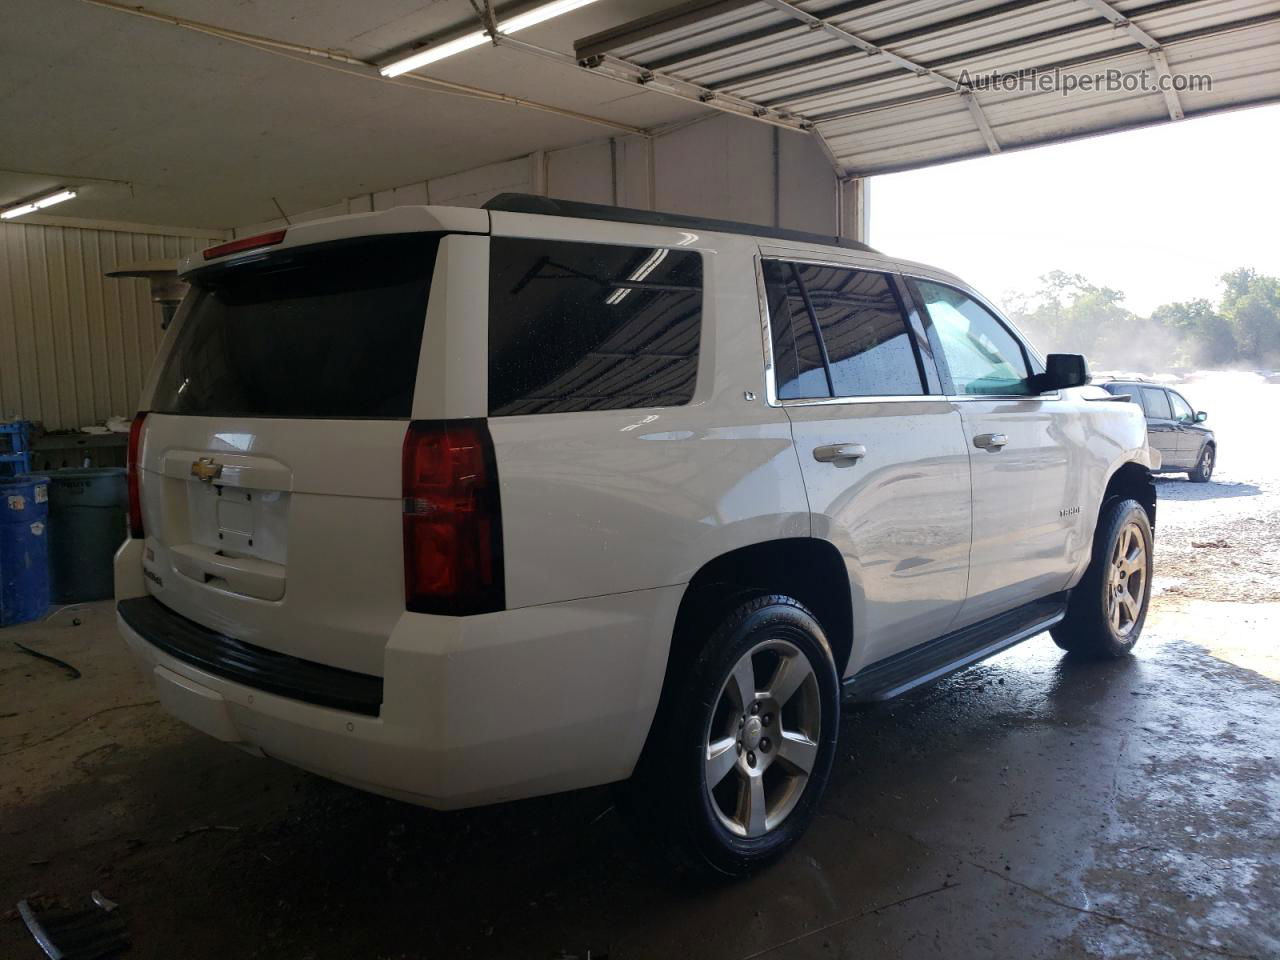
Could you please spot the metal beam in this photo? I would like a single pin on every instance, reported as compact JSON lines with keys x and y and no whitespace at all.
{"x":958,"y":57}
{"x":840,"y":169}
{"x":980,"y":119}
{"x":866,"y":46}
{"x":902,"y":63}
{"x":1166,"y":77}
{"x":1121,"y":22}
{"x":616,"y":68}
{"x":1149,"y":43}
{"x":1187,"y":36}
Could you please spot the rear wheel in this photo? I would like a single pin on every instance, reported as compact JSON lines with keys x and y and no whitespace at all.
{"x":1109,"y":605}
{"x":1203,"y":469}
{"x":734,"y":770}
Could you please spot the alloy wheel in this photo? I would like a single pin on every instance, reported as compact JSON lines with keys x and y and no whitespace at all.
{"x":1126,"y":580}
{"x":762,"y":738}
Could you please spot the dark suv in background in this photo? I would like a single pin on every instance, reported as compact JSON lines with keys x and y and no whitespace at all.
{"x":1173,"y":427}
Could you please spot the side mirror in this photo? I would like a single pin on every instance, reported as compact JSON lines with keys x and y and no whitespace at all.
{"x":1061,"y":370}
{"x":1201,"y":416}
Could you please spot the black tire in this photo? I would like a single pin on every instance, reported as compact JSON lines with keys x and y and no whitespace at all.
{"x":1089,"y":629}
{"x":668,"y":795}
{"x":1203,"y":470}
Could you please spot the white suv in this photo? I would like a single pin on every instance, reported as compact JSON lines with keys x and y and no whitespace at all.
{"x":460,"y":506}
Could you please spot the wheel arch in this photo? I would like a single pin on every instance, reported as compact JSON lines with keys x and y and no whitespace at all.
{"x":1130,"y":480}
{"x":807,"y":569}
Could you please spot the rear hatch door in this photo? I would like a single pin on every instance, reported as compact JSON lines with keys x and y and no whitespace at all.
{"x":270,"y":479}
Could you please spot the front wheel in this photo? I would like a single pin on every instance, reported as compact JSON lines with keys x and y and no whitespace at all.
{"x":1109,"y":606}
{"x":737,"y":766}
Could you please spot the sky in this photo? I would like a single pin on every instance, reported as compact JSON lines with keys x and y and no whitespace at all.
{"x":1159,"y":213}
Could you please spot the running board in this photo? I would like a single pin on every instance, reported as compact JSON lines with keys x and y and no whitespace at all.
{"x":895,"y":675}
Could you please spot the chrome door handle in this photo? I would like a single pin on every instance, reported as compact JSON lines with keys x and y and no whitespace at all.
{"x":838,"y":453}
{"x":990,"y":441}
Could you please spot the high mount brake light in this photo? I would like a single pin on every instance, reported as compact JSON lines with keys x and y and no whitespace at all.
{"x":452,"y":519}
{"x":245,"y":243}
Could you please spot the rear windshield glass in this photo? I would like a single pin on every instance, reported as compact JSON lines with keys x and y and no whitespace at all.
{"x":329,"y":331}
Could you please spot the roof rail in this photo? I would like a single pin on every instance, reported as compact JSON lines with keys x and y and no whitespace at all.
{"x":551,"y":207}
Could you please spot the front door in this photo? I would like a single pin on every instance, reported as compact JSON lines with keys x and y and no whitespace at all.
{"x":883,"y":457}
{"x":1190,"y":436}
{"x":1025,"y":470}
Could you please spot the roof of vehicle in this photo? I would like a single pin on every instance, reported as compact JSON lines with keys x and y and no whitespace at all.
{"x":415,"y":218}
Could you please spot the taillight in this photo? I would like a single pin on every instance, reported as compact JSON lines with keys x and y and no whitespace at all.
{"x":245,"y":243}
{"x":452,"y":519}
{"x":134,"y":462}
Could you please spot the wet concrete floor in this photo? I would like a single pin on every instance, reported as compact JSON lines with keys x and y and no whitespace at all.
{"x":1032,"y":807}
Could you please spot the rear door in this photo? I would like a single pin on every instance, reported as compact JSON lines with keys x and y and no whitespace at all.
{"x":882,"y":452}
{"x":1162,"y":429}
{"x":1026,"y":468}
{"x":271,"y":480}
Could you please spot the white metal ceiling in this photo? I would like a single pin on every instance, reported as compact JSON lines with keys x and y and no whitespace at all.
{"x":883,"y":83}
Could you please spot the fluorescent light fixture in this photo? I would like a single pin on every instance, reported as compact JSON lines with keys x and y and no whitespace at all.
{"x":471,"y":40}
{"x":432,"y":54}
{"x":39,"y":203}
{"x":540,"y":14}
{"x":58,"y":197}
{"x":18,"y":211}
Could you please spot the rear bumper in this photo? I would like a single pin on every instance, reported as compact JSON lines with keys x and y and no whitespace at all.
{"x":475,"y":709}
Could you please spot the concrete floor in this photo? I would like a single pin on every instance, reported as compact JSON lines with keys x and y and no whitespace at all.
{"x":1032,"y":807}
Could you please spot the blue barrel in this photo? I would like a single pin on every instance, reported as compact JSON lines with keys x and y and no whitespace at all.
{"x":24,"y":549}
{"x":88,"y":512}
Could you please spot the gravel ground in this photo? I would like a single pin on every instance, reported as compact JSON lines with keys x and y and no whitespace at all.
{"x":1221,"y":540}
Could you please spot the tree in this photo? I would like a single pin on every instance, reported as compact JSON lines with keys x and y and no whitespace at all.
{"x":1251,"y":306}
{"x":1205,"y":336}
{"x":1068,"y":314}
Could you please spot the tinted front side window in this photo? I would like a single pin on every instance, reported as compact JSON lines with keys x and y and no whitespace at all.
{"x":1156,"y":403}
{"x":586,"y":326}
{"x":861,"y":348}
{"x":332,"y":330}
{"x":1181,"y":409}
{"x":984,"y":358}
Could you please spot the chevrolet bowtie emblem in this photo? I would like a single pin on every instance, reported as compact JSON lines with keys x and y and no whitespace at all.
{"x":206,"y":470}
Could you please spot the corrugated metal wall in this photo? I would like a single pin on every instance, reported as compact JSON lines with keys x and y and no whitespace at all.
{"x":75,"y":346}
{"x":720,"y":166}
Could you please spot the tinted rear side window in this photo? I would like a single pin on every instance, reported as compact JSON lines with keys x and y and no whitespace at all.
{"x":326,"y":331}
{"x":586,"y":326}
{"x":862,"y":331}
{"x":798,"y":366}
{"x":1156,"y":403}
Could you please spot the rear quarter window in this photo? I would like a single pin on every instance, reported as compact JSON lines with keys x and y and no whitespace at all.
{"x":326,"y":331}
{"x":585,"y":326}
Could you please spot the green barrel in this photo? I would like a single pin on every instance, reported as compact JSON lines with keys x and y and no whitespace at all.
{"x":87,"y":524}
